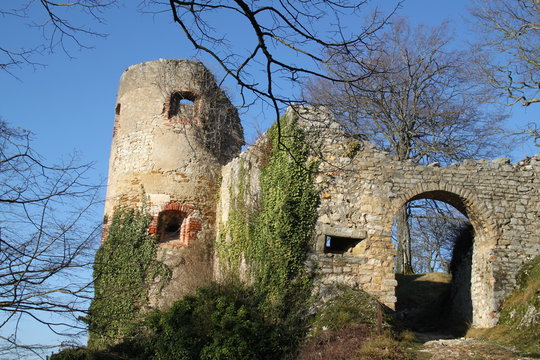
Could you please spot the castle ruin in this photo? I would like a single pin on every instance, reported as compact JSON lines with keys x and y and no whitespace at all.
{"x":176,"y":151}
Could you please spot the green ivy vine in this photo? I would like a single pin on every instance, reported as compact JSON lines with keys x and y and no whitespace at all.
{"x":235,"y":234}
{"x":274,"y":238}
{"x":125,"y":266}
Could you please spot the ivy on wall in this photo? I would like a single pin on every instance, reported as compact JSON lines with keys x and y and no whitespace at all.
{"x":124,"y":268}
{"x":235,"y":235}
{"x":275,"y":237}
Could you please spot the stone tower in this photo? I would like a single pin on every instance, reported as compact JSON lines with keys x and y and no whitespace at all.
{"x":174,"y":128}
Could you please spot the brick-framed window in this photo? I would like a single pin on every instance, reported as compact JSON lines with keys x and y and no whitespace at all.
{"x":169,"y":225}
{"x":175,"y":225}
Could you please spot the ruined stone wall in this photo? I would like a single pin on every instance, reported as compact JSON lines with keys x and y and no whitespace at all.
{"x":362,"y":188}
{"x":174,"y":144}
{"x":173,"y":130}
{"x":248,"y":166}
{"x":347,"y":211}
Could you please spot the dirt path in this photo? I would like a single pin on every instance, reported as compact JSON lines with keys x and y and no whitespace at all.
{"x":464,"y":349}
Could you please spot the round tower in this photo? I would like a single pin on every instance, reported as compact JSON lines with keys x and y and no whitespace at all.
{"x":174,"y":128}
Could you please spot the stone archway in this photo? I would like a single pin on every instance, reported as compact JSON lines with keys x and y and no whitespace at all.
{"x":361,"y":191}
{"x":483,"y":282}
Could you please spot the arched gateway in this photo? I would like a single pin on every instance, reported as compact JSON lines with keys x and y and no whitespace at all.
{"x":362,"y":192}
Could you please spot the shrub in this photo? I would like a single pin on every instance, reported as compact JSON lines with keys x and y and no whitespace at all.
{"x":218,"y":322}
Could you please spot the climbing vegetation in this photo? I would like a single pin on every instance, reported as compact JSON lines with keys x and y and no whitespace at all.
{"x":263,"y":319}
{"x":273,"y":236}
{"x":124,"y":268}
{"x":281,"y":230}
{"x":235,"y":234}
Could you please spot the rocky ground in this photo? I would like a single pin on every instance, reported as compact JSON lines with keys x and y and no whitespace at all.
{"x":466,"y":349}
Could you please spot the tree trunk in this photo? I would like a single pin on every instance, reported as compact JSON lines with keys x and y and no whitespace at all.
{"x":404,"y":259}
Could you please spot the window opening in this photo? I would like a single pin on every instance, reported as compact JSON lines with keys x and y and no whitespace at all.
{"x":117,"y":109}
{"x":339,"y":245}
{"x":169,"y":225}
{"x":181,"y":103}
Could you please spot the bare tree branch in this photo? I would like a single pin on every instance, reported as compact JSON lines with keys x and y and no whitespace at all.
{"x":46,"y":241}
{"x":420,"y":103}
{"x":434,"y":228}
{"x":52,"y":22}
{"x":509,"y":50}
{"x":284,"y":41}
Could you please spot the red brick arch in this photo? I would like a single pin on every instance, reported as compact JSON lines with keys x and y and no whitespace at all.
{"x":189,"y":227}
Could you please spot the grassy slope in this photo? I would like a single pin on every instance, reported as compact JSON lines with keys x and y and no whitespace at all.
{"x":519,"y":324}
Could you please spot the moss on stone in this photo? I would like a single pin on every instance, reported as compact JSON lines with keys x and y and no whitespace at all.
{"x":347,"y":307}
{"x":519,"y":322}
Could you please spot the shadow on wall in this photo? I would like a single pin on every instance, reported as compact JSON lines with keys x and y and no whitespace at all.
{"x":460,"y":303}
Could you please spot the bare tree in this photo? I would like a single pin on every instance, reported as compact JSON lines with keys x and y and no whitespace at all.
{"x":46,"y":241}
{"x":508,"y":59}
{"x":420,"y":103}
{"x":533,"y":131}
{"x":283,"y":41}
{"x":434,"y":226}
{"x":510,"y":56}
{"x":52,"y":25}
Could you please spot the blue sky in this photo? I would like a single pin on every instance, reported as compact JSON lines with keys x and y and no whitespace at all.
{"x":69,"y":103}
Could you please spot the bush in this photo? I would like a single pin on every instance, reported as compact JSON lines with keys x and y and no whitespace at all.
{"x":218,"y":322}
{"x":84,"y":354}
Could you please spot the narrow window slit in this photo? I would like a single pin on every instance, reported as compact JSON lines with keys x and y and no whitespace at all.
{"x":339,"y":245}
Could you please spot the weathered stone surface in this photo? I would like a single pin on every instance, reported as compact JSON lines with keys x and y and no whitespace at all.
{"x":361,"y":193}
{"x":500,"y":199}
{"x":186,"y":158}
{"x":170,"y":162}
